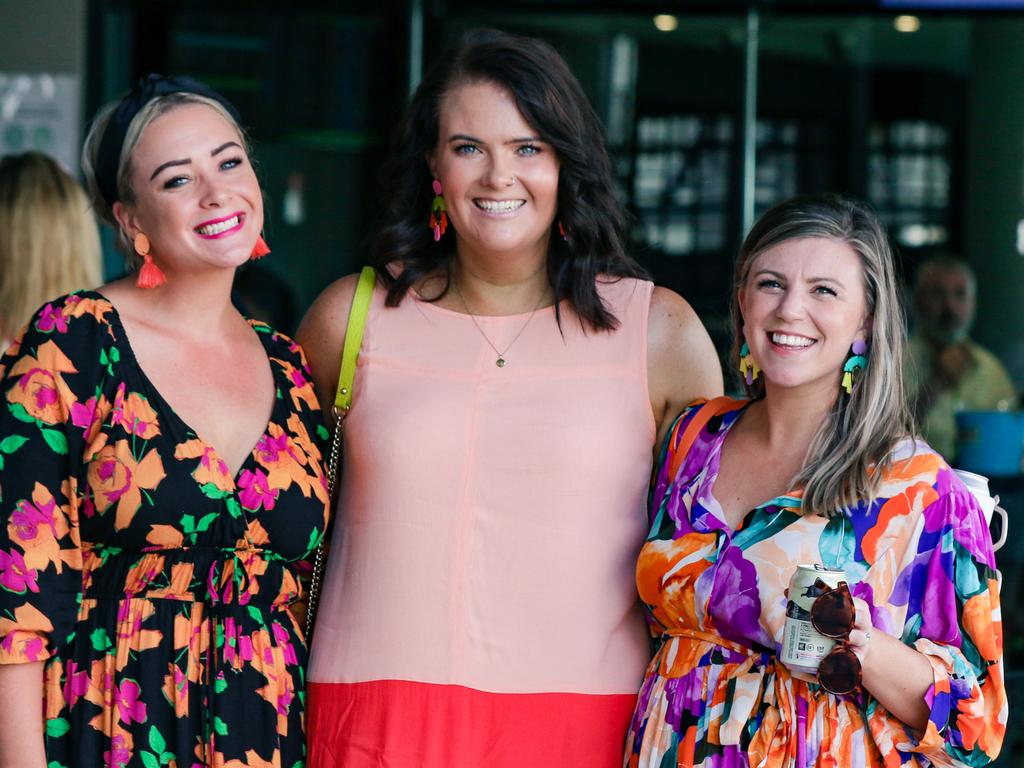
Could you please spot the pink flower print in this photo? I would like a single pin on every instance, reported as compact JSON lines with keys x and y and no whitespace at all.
{"x":118,"y":755}
{"x":281,"y":638}
{"x":82,"y":414}
{"x":31,"y":649}
{"x":129,"y":708}
{"x":76,"y":685}
{"x":269,"y":449}
{"x":256,"y":491}
{"x":50,"y":319}
{"x":245,"y":647}
{"x":27,"y":519}
{"x":284,"y":701}
{"x":15,"y":576}
{"x":298,"y":377}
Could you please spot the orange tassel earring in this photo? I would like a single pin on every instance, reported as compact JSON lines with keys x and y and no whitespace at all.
{"x":150,"y":275}
{"x":259,"y":250}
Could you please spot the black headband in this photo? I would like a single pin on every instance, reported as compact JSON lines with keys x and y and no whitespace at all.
{"x":147,"y":89}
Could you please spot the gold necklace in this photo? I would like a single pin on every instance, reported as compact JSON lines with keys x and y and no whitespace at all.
{"x":501,"y":362}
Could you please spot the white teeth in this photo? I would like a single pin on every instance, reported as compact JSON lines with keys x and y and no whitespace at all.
{"x":500,"y":206}
{"x":220,"y":226}
{"x":785,"y":340}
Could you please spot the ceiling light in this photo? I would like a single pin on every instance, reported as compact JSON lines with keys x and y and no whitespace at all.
{"x":666,"y":22}
{"x":906,"y":23}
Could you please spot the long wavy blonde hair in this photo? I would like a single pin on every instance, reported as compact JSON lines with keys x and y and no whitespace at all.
{"x":49,"y":239}
{"x":862,"y":428}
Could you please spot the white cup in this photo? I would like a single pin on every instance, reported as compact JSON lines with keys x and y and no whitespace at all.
{"x":978,"y":486}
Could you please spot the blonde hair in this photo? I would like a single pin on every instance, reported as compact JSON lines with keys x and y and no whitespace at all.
{"x":49,"y":241}
{"x":857,"y":437}
{"x":153,"y":109}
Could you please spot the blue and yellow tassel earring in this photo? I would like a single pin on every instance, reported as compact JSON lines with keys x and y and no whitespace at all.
{"x":855,"y":363}
{"x":748,"y":368}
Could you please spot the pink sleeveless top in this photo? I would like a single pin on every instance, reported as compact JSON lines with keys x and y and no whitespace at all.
{"x":479,"y":606}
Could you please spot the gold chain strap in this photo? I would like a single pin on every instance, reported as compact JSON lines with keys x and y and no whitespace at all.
{"x":320,"y":562}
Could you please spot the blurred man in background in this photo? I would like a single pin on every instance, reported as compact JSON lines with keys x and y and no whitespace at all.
{"x":947,"y":371}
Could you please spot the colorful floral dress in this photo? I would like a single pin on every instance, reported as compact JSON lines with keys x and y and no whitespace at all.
{"x":154,"y":584}
{"x":715,"y":694}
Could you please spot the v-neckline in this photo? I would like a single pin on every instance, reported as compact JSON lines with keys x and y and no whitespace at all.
{"x":790,"y":499}
{"x":126,"y":346}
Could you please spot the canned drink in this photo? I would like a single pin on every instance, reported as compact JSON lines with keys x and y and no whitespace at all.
{"x":803,"y":647}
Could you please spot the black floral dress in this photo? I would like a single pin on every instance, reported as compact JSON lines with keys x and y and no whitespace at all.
{"x":154,"y":585}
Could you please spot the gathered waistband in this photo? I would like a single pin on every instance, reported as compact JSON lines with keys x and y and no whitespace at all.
{"x":210,"y":575}
{"x":708,"y":637}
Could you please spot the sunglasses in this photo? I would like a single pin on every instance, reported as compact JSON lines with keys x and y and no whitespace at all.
{"x":833,"y":615}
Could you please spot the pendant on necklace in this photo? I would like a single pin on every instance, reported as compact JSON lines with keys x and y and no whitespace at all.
{"x":500,"y":362}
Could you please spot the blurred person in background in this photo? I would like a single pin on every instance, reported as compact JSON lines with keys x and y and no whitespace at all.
{"x":49,"y":240}
{"x":946,"y":371}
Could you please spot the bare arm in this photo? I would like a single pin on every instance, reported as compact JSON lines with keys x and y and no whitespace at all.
{"x":682,"y":364}
{"x":894,"y":673}
{"x":21,"y":716}
{"x":322,"y":335}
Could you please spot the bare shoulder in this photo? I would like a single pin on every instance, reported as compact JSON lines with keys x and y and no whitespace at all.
{"x":682,"y":364}
{"x":322,"y":334}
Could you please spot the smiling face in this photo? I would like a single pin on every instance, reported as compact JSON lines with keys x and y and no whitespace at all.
{"x":197,"y":198}
{"x":803,"y":306}
{"x":499,"y":180}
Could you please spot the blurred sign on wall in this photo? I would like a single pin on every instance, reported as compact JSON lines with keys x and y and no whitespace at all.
{"x":40,"y":112}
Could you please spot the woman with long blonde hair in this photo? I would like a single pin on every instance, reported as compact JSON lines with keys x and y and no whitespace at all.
{"x":49,"y":241}
{"x":818,"y":469}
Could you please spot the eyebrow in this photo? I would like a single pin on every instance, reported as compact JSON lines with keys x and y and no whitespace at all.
{"x":172,"y":163}
{"x":520,"y":140}
{"x":779,"y":275}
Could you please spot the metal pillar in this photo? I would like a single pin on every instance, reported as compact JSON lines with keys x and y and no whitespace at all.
{"x":415,"y":44}
{"x":750,"y":118}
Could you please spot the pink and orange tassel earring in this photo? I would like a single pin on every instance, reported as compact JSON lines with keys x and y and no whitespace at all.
{"x":259,"y":250}
{"x":438,"y":212}
{"x":150,"y":275}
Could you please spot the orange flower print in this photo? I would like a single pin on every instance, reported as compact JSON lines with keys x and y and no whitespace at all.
{"x":116,"y":479}
{"x":133,"y":412}
{"x":24,"y":637}
{"x":41,"y":390}
{"x":176,"y":690}
{"x":253,"y":760}
{"x":211,"y":469}
{"x":79,"y":306}
{"x":283,"y":459}
{"x":301,"y":390}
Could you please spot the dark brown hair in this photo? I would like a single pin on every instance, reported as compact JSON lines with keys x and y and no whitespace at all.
{"x":551,"y":100}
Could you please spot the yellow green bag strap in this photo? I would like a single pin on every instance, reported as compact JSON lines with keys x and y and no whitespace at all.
{"x":354,"y":337}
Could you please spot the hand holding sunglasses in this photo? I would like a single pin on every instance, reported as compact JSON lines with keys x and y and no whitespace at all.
{"x":837,"y":614}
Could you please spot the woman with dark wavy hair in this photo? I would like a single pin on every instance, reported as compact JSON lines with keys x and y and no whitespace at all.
{"x":516,"y":372}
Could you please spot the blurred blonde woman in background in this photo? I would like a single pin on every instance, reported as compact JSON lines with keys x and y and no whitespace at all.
{"x":49,"y":241}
